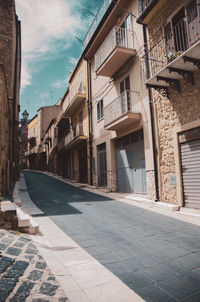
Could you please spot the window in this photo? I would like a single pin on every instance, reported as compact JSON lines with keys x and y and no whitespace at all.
{"x":100,"y":113}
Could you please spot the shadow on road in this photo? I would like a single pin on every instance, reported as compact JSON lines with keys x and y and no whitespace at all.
{"x":55,"y":197}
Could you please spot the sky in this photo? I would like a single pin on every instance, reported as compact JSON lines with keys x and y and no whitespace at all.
{"x":50,"y":49}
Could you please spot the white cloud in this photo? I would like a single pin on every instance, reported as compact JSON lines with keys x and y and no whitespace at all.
{"x":44,"y":95}
{"x":47,"y":25}
{"x":60,"y":83}
{"x":39,"y":104}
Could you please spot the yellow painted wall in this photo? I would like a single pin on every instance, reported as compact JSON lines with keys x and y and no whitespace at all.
{"x":33,"y":124}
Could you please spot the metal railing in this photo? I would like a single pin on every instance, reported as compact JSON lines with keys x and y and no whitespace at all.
{"x":31,"y":151}
{"x":96,"y":22}
{"x":117,"y":37}
{"x":174,"y":43}
{"x":77,"y":89}
{"x":128,"y":101}
{"x":74,"y":133}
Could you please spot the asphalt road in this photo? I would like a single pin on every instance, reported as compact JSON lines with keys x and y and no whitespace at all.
{"x":157,"y":256}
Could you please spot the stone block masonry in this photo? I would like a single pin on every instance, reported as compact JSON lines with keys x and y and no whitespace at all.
{"x":182,"y":108}
{"x":24,"y":275}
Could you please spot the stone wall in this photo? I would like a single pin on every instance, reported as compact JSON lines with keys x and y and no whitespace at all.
{"x":150,"y":179}
{"x":180,"y":109}
{"x":4,"y":134}
{"x":7,"y":50}
{"x":10,"y":58}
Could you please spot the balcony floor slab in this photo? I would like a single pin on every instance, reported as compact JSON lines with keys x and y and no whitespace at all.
{"x":124,"y":121}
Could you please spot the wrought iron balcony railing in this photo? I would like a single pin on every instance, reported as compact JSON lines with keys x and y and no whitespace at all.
{"x":117,"y":37}
{"x":127,"y":102}
{"x":175,"y":42}
{"x":96,"y":22}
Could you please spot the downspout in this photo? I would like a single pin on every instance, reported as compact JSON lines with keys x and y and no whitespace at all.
{"x":90,"y":118}
{"x":151,"y":114}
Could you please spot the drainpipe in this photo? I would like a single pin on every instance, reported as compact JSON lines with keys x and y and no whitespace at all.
{"x":90,"y":117}
{"x":151,"y":114}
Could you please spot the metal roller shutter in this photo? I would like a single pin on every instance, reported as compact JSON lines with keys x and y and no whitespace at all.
{"x":190,"y":161}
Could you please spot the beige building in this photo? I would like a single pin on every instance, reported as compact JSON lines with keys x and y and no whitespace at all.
{"x":38,"y":130}
{"x":10,"y":65}
{"x":73,"y":128}
{"x":173,"y":76}
{"x":122,"y":134}
{"x":50,"y":144}
{"x":45,"y":116}
{"x":33,"y":143}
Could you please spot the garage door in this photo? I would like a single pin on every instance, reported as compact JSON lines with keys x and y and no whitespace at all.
{"x":190,"y":161}
{"x":130,"y":163}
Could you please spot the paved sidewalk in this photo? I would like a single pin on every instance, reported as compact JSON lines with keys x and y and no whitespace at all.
{"x":24,"y":275}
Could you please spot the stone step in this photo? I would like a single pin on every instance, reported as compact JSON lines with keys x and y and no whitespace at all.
{"x":8,"y":206}
{"x":11,"y":212}
{"x":33,"y":227}
{"x":23,"y":219}
{"x":26,"y":222}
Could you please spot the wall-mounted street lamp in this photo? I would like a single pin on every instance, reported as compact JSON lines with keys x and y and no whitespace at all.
{"x":25,"y":115}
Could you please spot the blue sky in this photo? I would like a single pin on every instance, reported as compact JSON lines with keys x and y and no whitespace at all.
{"x":49,"y":47}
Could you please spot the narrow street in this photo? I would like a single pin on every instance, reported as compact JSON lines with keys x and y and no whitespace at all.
{"x":156,"y":256}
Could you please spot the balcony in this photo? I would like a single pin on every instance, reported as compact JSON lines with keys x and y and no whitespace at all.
{"x":123,"y":111}
{"x":116,"y":49}
{"x":75,"y":137}
{"x":31,"y":151}
{"x":76,"y":97}
{"x":31,"y":136}
{"x":176,"y":55}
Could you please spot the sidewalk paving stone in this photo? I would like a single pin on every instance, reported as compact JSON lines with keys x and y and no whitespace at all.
{"x":24,"y":275}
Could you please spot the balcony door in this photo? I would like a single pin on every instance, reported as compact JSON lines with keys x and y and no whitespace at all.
{"x":193,"y":21}
{"x":180,"y":31}
{"x":125,"y":95}
{"x":122,"y":34}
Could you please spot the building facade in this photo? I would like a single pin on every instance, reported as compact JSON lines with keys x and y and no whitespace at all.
{"x":73,"y":128}
{"x":172,"y":62}
{"x":122,"y":133}
{"x":33,"y":143}
{"x":10,"y":65}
